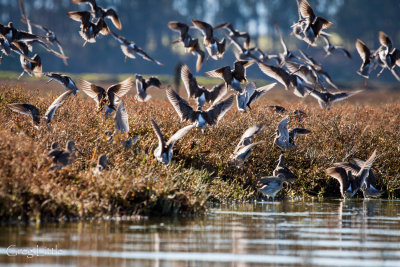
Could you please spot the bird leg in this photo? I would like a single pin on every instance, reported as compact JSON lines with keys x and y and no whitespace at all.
{"x":22,"y":74}
{"x":379,"y":74}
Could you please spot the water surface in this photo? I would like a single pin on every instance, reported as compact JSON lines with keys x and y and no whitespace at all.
{"x":280,"y":233}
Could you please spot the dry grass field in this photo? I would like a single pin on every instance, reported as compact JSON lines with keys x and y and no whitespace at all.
{"x":137,"y":184}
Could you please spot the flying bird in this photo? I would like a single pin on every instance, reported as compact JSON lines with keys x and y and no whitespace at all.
{"x":282,"y":170}
{"x":101,"y":13}
{"x":142,"y":85}
{"x":312,"y":25}
{"x":234,"y":77}
{"x":33,"y":67}
{"x":250,"y":94}
{"x":183,"y":29}
{"x":109,"y":97}
{"x":284,"y":138}
{"x":164,"y":150}
{"x":64,"y":80}
{"x":200,"y":93}
{"x":369,"y":187}
{"x":89,"y":30}
{"x":34,"y":113}
{"x":63,"y":157}
{"x":367,"y":58}
{"x":290,"y":81}
{"x":130,"y":49}
{"x":199,"y":118}
{"x":330,"y":48}
{"x":349,"y":184}
{"x":326,"y":99}
{"x":214,"y":47}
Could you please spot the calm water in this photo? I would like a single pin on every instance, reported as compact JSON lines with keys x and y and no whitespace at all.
{"x":288,"y":233}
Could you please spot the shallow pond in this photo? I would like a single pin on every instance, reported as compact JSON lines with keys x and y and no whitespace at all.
{"x":280,"y":233}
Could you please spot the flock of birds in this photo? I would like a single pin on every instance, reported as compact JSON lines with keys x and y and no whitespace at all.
{"x":300,"y":74}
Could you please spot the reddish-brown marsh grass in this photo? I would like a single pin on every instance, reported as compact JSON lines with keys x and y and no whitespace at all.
{"x":137,"y":184}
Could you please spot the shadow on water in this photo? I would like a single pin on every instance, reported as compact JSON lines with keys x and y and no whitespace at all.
{"x":328,"y":233}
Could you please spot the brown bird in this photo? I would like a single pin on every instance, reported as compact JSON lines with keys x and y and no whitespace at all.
{"x":326,"y":99}
{"x":330,"y":48}
{"x":63,"y":157}
{"x":33,"y":67}
{"x":349,"y":184}
{"x":64,"y":80}
{"x":110,"y":97}
{"x":234,"y":77}
{"x":34,"y":113}
{"x":282,"y":170}
{"x":369,"y":188}
{"x":290,"y":81}
{"x":164,"y":151}
{"x":101,"y":13}
{"x":199,"y":118}
{"x":130,"y":49}
{"x":143,"y":84}
{"x":367,"y":58}
{"x":234,"y":34}
{"x":183,"y":29}
{"x":313,"y":25}
{"x":89,"y":30}
{"x":214,"y":47}
{"x":200,"y":93}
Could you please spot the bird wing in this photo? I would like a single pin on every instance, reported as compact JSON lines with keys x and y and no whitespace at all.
{"x":371,"y":179}
{"x":51,"y":110}
{"x":191,"y":86}
{"x":259,"y":92}
{"x":215,"y":93}
{"x":343,"y":95}
{"x":283,"y":128}
{"x":218,"y":110}
{"x":26,"y":109}
{"x":92,"y":90}
{"x":114,"y":18}
{"x":345,"y":51}
{"x":218,"y":73}
{"x":119,"y":38}
{"x":339,"y":174}
{"x":153,"y":82}
{"x":121,"y":118}
{"x":354,"y":168}
{"x":306,"y":10}
{"x":250,"y":132}
{"x":178,"y":135}
{"x":385,"y":40}
{"x":160,"y":137}
{"x":120,"y":89}
{"x":276,"y":73}
{"x":184,"y":110}
{"x":205,"y":28}
{"x":80,"y":16}
{"x":145,"y":56}
{"x":24,"y":16}
{"x":178,"y":26}
{"x":297,"y":131}
{"x":269,"y":180}
{"x":200,"y":58}
{"x":363,"y":50}
{"x":365,"y":168}
{"x":281,"y":39}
